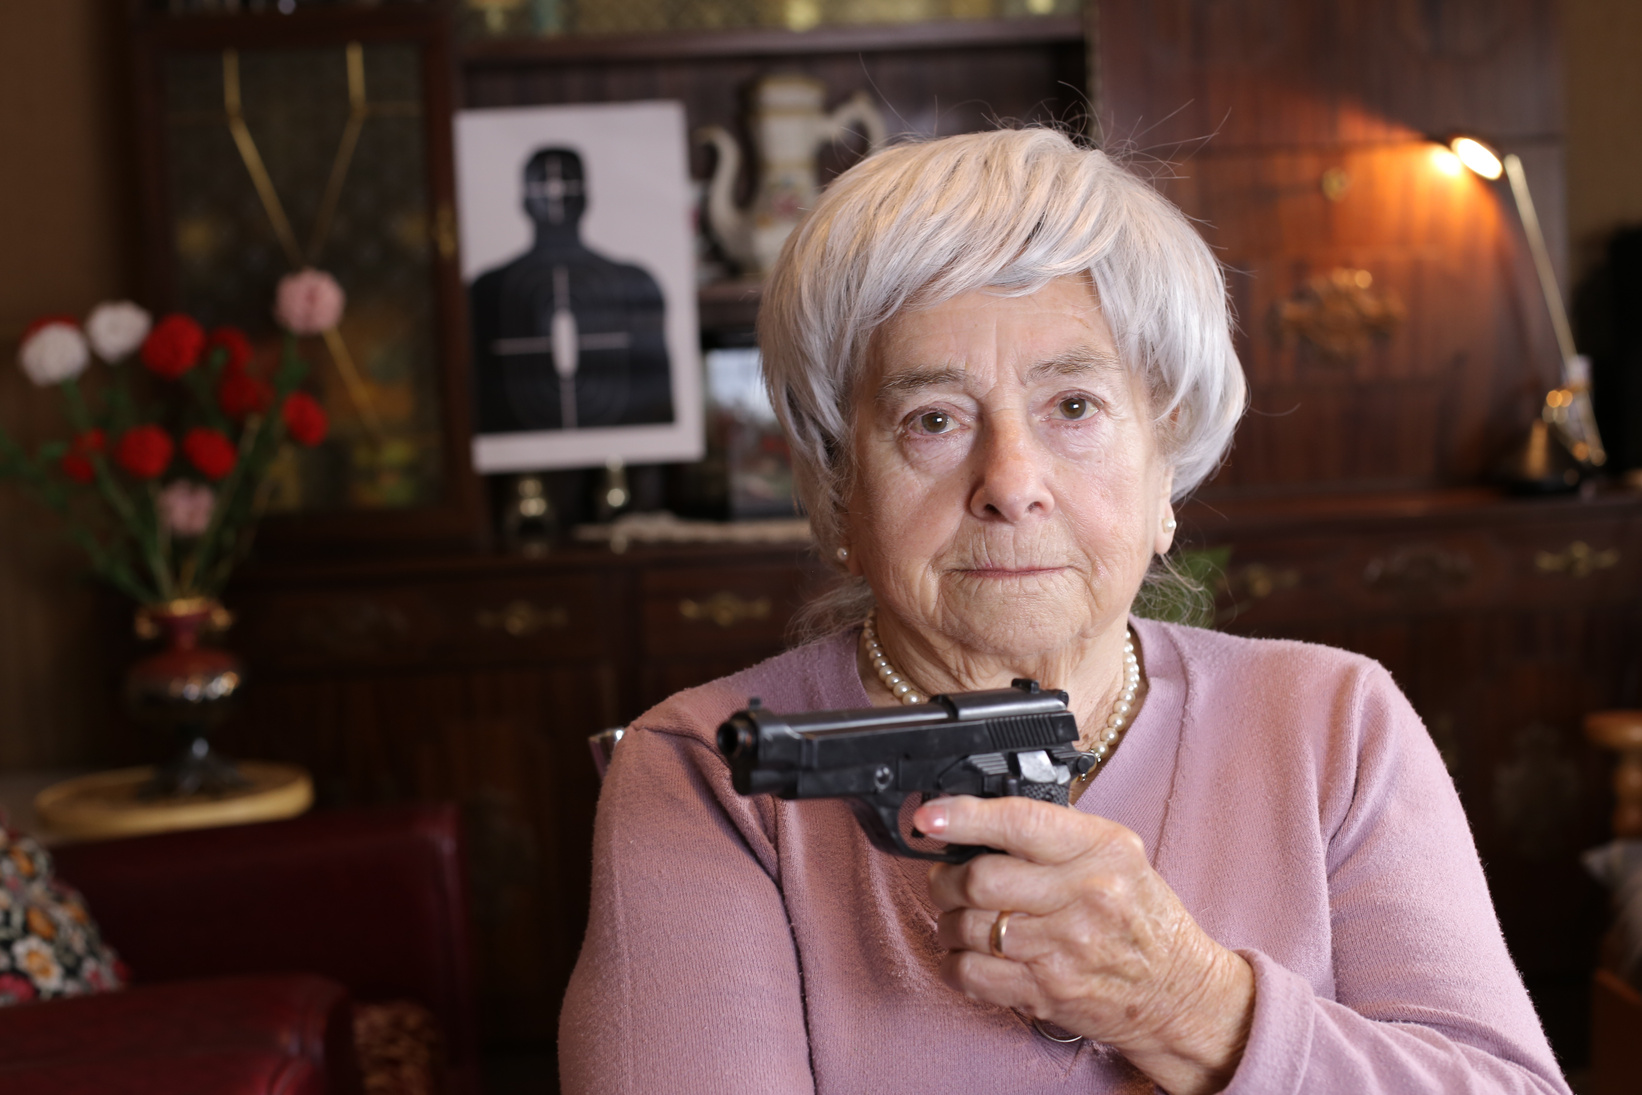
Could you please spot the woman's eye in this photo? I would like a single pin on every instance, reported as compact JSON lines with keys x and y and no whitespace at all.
{"x":935,"y":422}
{"x":1076,"y":406}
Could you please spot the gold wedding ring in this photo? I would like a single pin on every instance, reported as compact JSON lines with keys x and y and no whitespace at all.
{"x":999,"y":927}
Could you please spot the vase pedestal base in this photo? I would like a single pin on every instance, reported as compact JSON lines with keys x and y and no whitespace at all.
{"x":197,"y":770}
{"x":104,"y":805}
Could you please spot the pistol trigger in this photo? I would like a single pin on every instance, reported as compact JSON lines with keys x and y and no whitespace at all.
{"x":923,"y":797}
{"x":880,"y":817}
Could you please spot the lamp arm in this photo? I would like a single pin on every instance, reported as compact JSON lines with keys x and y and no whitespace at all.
{"x":1575,"y":374}
{"x":1542,"y":257}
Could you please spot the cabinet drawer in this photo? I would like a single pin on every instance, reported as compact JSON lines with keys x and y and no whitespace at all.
{"x":1307,"y":579}
{"x":703,"y":612}
{"x":564,"y":617}
{"x":1583,"y":564}
{"x":486,"y":621}
{"x":325,"y":628}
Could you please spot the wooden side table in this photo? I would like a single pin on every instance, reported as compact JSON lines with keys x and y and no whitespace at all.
{"x":105,"y":805}
{"x":1616,"y":1008}
{"x":1621,"y":731}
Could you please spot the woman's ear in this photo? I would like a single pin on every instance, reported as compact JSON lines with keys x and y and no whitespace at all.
{"x":1163,"y":535}
{"x":846,"y":556}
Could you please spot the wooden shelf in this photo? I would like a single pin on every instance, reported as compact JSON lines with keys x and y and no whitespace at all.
{"x":773,"y":42}
{"x":727,"y":304}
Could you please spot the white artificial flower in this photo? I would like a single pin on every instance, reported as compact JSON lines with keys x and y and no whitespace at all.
{"x":53,"y":354}
{"x":116,"y":328}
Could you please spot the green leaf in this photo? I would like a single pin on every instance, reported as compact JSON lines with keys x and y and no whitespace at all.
{"x":1182,"y":590}
{"x":15,"y":464}
{"x":112,"y":568}
{"x":11,"y":455}
{"x":74,"y":402}
{"x":122,"y":409}
{"x":199,"y":383}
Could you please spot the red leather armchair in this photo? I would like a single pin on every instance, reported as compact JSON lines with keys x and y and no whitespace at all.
{"x":248,"y":946}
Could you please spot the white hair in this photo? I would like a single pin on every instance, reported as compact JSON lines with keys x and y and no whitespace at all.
{"x":1010,"y":210}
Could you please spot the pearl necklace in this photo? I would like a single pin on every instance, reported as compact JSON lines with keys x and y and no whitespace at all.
{"x":1104,"y":741}
{"x":898,"y":685}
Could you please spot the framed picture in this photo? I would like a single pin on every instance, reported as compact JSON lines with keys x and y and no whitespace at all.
{"x":578,"y":258}
{"x":322,"y":138}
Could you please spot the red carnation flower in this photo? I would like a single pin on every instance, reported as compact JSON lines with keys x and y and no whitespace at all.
{"x":76,"y":463}
{"x":305,"y":419}
{"x":233,"y":340}
{"x":173,"y":346}
{"x":78,"y":468}
{"x":209,"y":451}
{"x":241,"y":394}
{"x":144,"y":452}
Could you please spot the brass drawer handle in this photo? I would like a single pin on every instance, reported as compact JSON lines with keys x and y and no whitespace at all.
{"x":1260,"y":581}
{"x":1423,"y":568}
{"x":521,"y":619}
{"x":1577,"y":560}
{"x":724,"y":609}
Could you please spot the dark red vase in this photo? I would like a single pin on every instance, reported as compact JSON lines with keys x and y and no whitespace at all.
{"x":185,"y":690}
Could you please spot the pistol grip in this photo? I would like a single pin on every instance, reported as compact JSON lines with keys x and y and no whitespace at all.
{"x":1045,"y":792}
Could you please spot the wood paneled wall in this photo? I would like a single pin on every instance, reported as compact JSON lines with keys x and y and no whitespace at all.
{"x":1254,"y":103}
{"x":66,"y":218}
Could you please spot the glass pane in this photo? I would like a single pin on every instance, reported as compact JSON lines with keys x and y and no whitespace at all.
{"x":363,"y":217}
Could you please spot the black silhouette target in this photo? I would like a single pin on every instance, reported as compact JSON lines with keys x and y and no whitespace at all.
{"x":563,"y":337}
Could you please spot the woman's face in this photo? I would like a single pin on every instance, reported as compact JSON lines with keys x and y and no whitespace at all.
{"x":1009,"y":491}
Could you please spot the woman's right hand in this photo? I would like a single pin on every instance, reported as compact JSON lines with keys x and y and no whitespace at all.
{"x":1096,"y":941}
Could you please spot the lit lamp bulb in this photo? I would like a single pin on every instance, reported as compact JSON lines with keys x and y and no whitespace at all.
{"x":1477,"y":156}
{"x":1569,"y":407}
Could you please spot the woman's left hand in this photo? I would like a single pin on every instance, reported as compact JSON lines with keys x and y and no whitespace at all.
{"x":1096,"y":943}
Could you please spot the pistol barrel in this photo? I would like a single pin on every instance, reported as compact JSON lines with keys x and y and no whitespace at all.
{"x":822,"y":753}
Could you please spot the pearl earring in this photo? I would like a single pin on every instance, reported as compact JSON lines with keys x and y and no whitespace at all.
{"x":843,"y":554}
{"x":1168,"y":524}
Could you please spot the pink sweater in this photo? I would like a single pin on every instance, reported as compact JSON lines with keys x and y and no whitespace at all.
{"x":1287,"y":792}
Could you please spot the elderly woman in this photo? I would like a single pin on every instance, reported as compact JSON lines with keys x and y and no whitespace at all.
{"x":1001,"y":360}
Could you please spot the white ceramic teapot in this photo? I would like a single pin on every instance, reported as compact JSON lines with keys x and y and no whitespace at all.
{"x":789,"y":126}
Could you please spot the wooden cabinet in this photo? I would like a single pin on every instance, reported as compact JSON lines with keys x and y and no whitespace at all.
{"x":479,"y":679}
{"x":1505,"y":621}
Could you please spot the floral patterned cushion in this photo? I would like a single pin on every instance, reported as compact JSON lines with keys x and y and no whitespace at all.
{"x":49,"y":945}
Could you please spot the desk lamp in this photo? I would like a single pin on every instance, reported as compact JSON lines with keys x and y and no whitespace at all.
{"x":1567,"y":409}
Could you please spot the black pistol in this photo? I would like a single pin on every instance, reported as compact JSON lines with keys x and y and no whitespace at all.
{"x":1019,"y":740}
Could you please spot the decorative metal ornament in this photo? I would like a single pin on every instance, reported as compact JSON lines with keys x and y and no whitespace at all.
{"x":1339,"y":314}
{"x":358,"y":110}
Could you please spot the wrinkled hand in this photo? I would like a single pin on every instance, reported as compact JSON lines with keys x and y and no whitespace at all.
{"x":1098,"y":943}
